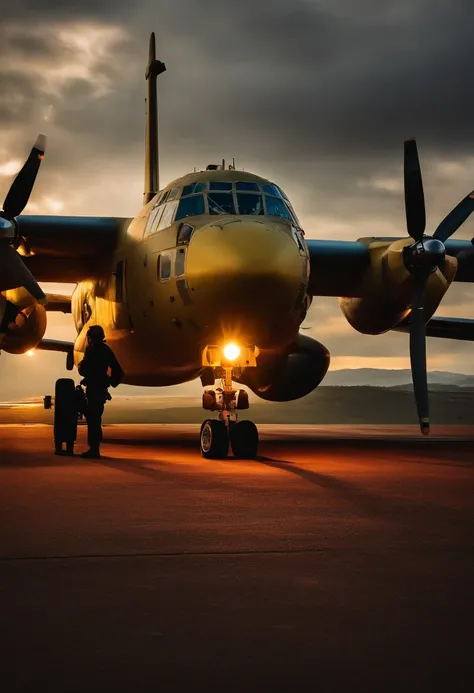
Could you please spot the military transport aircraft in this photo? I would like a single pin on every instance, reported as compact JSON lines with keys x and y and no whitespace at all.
{"x":213,"y":279}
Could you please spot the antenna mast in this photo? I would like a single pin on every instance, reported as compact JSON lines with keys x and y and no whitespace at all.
{"x":152,"y":170}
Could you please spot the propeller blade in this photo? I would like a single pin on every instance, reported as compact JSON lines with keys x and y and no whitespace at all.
{"x":414,"y":196}
{"x":455,"y":218}
{"x":14,"y":273}
{"x":418,"y":351}
{"x":20,"y":191}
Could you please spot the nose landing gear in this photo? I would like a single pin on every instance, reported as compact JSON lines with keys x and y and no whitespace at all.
{"x":216,"y":434}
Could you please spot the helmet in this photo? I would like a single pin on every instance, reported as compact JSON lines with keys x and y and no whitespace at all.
{"x":95,"y":332}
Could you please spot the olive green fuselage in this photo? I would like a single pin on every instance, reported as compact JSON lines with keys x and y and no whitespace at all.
{"x":203,"y":280}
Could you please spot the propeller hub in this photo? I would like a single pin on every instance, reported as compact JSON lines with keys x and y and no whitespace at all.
{"x":425,"y":255}
{"x":7,"y":228}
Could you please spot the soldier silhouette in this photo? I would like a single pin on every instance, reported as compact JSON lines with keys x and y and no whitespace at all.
{"x":100,"y":370}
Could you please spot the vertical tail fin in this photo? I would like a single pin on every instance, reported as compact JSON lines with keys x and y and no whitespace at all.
{"x":152,"y":176}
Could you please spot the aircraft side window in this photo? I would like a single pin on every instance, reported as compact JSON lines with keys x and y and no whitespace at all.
{"x":190,"y":207}
{"x":193,"y":188}
{"x":276,"y":207}
{"x":167,"y":216}
{"x":185,"y":231}
{"x":179,"y":262}
{"x":86,"y":312}
{"x":221,"y":203}
{"x":163,"y":266}
{"x":249,"y":203}
{"x":298,"y":236}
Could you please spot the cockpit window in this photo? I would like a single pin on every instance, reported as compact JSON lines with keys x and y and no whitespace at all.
{"x":272,"y":190}
{"x":247,"y":185}
{"x":219,"y":185}
{"x":167,"y":216}
{"x":171,"y":195}
{"x":249,"y":203}
{"x":194,"y":188}
{"x":190,"y":207}
{"x":223,"y":197}
{"x":153,"y":220}
{"x":221,"y":203}
{"x":293,"y":215}
{"x":276,"y":207}
{"x":158,"y":198}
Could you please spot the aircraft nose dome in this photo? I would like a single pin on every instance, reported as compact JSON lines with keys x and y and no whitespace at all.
{"x":245,"y":264}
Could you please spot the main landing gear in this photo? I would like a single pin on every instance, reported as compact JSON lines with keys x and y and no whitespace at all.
{"x":69,"y":405}
{"x":216,"y":434}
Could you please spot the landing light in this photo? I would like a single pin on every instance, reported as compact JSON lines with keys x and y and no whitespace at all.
{"x":231,"y":352}
{"x":30,"y":352}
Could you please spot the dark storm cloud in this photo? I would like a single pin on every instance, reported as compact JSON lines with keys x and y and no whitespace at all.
{"x":306,"y":79}
{"x":34,"y":10}
{"x":18,"y":91}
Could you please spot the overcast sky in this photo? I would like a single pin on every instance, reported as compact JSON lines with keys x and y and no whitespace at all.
{"x":318,"y":95}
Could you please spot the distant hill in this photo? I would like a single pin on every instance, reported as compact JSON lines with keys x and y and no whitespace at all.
{"x":378,"y":377}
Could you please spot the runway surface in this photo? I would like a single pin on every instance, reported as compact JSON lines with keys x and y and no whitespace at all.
{"x":342,"y":560}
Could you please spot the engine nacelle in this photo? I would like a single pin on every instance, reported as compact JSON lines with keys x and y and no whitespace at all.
{"x":290,"y":376}
{"x":387,"y":289}
{"x":373,"y":314}
{"x":23,"y":331}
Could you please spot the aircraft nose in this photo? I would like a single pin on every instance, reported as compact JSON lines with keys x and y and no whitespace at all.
{"x":249,"y":267}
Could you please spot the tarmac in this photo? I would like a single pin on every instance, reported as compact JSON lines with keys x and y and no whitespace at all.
{"x":341,"y":560}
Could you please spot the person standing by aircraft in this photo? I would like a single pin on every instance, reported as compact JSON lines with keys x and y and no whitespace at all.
{"x":99,"y":369}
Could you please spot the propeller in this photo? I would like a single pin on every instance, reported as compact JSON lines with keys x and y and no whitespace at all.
{"x":20,"y":190}
{"x":13,"y":205}
{"x":422,"y":258}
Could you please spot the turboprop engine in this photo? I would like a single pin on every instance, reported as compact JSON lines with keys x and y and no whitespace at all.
{"x":409,"y":277}
{"x":281,"y":378}
{"x":388,"y":286}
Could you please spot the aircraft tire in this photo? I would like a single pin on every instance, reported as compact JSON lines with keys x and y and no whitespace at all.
{"x":244,"y":440}
{"x":65,"y":414}
{"x":214,"y":439}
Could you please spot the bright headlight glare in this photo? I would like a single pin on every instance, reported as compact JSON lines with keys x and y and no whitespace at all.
{"x":231,"y":352}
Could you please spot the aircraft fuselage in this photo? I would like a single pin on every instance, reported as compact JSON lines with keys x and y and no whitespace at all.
{"x":200,"y":280}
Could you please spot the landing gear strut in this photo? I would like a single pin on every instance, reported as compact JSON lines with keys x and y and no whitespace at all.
{"x":216,"y":434}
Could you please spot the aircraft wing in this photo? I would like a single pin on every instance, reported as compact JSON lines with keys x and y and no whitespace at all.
{"x":444,"y":328}
{"x":69,"y":249}
{"x":338,"y":267}
{"x":58,"y":303}
{"x":55,"y":345}
{"x":61,"y":346}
